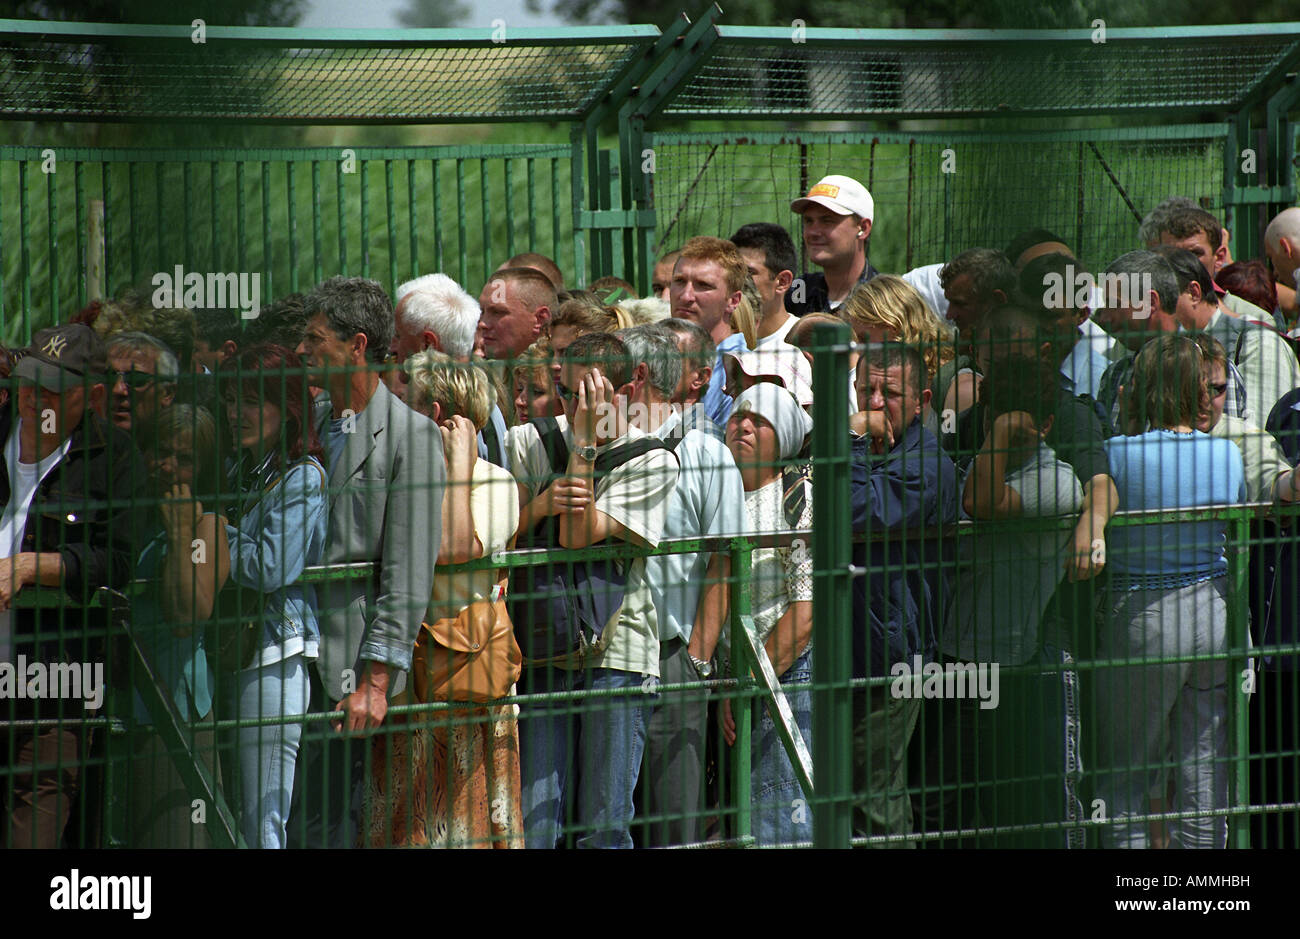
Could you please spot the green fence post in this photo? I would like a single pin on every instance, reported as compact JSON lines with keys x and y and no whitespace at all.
{"x":832,"y":582}
{"x":1239,"y":679}
{"x":741,"y":710}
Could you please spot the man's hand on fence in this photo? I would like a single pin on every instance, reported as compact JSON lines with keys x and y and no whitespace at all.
{"x":365,"y":708}
{"x":728,"y":723}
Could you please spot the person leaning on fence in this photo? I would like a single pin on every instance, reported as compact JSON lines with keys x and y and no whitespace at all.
{"x":1168,"y":599}
{"x":690,"y":590}
{"x":564,"y":475}
{"x":386,"y":473}
{"x":765,"y":433}
{"x":67,"y":528}
{"x":900,"y":481}
{"x":451,"y":779}
{"x":267,"y":619}
{"x":1015,"y":756}
{"x":168,"y":618}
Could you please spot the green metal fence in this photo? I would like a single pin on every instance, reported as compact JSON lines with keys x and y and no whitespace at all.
{"x":87,"y":223}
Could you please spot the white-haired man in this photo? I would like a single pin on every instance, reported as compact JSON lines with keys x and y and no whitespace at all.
{"x":435,"y":312}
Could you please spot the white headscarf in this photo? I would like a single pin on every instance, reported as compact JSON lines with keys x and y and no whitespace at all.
{"x":775,"y":404}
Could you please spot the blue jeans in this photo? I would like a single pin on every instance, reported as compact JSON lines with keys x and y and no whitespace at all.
{"x":780,"y":813}
{"x":267,"y":754}
{"x":606,"y":736}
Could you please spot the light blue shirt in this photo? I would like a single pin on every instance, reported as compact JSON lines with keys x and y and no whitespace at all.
{"x":1088,"y":360}
{"x":717,"y":403}
{"x":1162,"y":469}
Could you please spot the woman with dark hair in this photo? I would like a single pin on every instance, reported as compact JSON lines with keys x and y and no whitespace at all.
{"x":1168,"y":583}
{"x":1251,"y":281}
{"x":277,"y":528}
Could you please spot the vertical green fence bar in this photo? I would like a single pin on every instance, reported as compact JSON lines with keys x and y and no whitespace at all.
{"x":159,"y":186}
{"x":742,"y":709}
{"x":531,"y":171}
{"x":510,"y":208}
{"x":317,"y":227}
{"x":3,"y":313}
{"x":557,"y":206}
{"x":486,"y":202}
{"x":79,"y":228}
{"x":132,"y":191}
{"x":25,"y":233}
{"x":1239,"y":638}
{"x":106,"y":187}
{"x":412,"y":219}
{"x":832,"y":597}
{"x":241,"y":222}
{"x":187,"y":213}
{"x":462,"y":245}
{"x":291,"y":201}
{"x":438,"y":263}
{"x":215,"y":259}
{"x":268,"y":259}
{"x":342,"y":215}
{"x":52,"y":220}
{"x":391,"y":206}
{"x":365,"y":218}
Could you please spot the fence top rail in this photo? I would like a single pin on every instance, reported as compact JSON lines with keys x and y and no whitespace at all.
{"x":326,"y":36}
{"x":792,"y":72}
{"x":127,"y":72}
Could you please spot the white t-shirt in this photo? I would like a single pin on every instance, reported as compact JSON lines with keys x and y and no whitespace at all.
{"x":708,"y":501}
{"x":777,"y":338}
{"x":24,"y":479}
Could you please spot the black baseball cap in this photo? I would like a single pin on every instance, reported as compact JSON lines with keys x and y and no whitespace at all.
{"x":63,"y":357}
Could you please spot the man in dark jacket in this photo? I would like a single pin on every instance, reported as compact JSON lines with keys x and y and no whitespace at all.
{"x":901,"y":481}
{"x":66,"y":527}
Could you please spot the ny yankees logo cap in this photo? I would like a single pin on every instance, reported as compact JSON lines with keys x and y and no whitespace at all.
{"x":63,"y":357}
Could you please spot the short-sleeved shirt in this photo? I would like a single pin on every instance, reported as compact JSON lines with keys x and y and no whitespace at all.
{"x":1162,"y":469}
{"x":494,"y":506}
{"x":636,"y":496}
{"x":1263,"y":458}
{"x":816,"y":295}
{"x":708,"y":501}
{"x":778,"y":576}
{"x":1005,"y":579}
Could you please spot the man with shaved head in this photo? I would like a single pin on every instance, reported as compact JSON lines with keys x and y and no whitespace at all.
{"x":1282,"y":244}
{"x":516,"y":305}
{"x":537,"y":262}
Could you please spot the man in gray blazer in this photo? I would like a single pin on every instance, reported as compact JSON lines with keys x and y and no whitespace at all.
{"x":387,"y":473}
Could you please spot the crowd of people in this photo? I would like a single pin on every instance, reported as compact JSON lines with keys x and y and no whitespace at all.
{"x":405,"y":441}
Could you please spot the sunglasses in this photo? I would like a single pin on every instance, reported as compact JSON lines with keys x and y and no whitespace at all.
{"x":135,"y":381}
{"x":1217,"y":390}
{"x":566,"y":395}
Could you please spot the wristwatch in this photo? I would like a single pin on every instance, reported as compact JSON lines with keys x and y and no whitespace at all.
{"x":587,"y":453}
{"x":702,"y":668}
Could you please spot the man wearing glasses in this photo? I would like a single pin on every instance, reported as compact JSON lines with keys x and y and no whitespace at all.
{"x":143,"y":372}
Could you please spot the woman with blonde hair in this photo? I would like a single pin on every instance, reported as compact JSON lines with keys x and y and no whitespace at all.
{"x":453,"y":779}
{"x":889,"y":309}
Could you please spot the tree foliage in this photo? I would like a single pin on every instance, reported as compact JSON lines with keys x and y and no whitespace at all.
{"x":968,"y":14}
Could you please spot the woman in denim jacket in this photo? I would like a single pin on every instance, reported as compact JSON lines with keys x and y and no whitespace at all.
{"x":277,"y":528}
